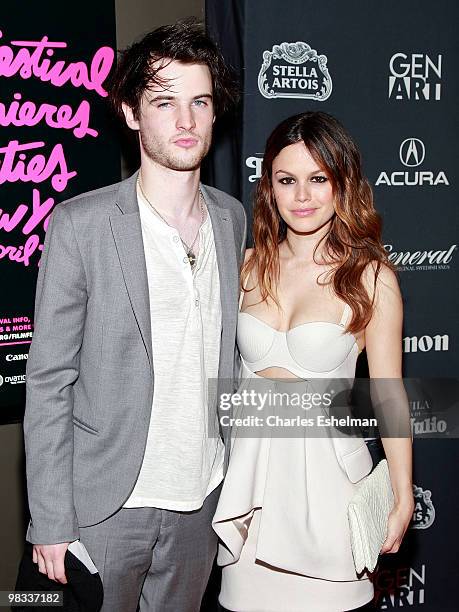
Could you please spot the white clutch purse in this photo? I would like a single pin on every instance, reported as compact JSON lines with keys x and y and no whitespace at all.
{"x":368,"y":512}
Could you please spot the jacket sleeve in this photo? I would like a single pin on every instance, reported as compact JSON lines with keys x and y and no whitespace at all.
{"x":52,"y":369}
{"x":244,"y":235}
{"x":237,"y":357}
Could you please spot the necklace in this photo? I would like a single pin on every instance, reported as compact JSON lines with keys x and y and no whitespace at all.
{"x":188,"y":249}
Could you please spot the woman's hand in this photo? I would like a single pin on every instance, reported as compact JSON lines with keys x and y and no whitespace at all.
{"x":383,"y":338}
{"x":399,"y":520}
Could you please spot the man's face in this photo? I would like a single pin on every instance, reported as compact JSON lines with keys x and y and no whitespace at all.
{"x":175,"y":124}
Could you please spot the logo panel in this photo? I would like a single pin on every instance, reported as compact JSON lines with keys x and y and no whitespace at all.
{"x":415,"y":77}
{"x":424,"y":511}
{"x":254,"y":162}
{"x":425,"y":344}
{"x":412,"y":152}
{"x":411,"y":261}
{"x":294,"y":70}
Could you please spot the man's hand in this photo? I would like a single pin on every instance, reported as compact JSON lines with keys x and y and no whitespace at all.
{"x":50,"y":559}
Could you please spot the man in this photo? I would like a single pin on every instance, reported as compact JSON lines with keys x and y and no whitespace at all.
{"x":135,"y":310}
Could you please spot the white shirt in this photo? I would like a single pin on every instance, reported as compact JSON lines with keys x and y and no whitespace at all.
{"x":182,"y":463}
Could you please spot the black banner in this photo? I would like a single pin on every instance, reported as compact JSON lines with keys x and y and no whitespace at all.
{"x":56,"y":141}
{"x":389,"y":72}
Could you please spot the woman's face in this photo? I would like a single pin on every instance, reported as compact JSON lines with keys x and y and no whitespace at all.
{"x":303,"y":191}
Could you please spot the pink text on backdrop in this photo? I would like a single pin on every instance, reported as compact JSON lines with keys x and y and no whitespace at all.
{"x":21,"y":162}
{"x":28,"y":60}
{"x":40,"y":210}
{"x":15,"y":166}
{"x":27,"y":113}
{"x":22,"y":253}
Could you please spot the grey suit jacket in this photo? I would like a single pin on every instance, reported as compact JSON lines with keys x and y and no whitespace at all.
{"x":90,"y":379}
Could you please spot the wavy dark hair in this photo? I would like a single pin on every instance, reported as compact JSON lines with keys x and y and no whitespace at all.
{"x":184,"y":41}
{"x":354,"y":238}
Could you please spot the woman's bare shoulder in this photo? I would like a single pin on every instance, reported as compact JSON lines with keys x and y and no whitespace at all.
{"x":249,"y":273}
{"x":385,"y":273}
{"x":248,"y":254}
{"x":385,"y":281}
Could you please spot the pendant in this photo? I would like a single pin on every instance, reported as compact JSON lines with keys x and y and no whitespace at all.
{"x":191,"y":258}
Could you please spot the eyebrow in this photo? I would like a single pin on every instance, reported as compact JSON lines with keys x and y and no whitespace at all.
{"x":292,"y":173}
{"x":167,"y":98}
{"x":205,"y":95}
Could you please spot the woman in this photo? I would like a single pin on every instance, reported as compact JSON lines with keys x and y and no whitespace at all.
{"x":317,"y":290}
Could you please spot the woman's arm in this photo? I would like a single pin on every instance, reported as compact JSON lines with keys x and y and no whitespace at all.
{"x":383,"y":339}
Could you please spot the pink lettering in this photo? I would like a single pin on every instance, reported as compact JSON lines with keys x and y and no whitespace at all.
{"x":61,"y":117}
{"x":100,"y":67}
{"x":35,"y":162}
{"x":28,"y":64}
{"x":39,"y":211}
{"x":8,"y":223}
{"x":38,"y":169}
{"x":22,"y":254}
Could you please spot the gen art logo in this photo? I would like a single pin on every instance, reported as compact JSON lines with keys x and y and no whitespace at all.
{"x":415,"y":77}
{"x":399,"y":587}
{"x":294,"y":70}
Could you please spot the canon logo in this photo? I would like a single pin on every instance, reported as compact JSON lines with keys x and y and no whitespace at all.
{"x":20,"y":357}
{"x":424,"y":344}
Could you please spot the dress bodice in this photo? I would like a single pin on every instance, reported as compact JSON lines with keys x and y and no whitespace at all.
{"x":313,"y":349}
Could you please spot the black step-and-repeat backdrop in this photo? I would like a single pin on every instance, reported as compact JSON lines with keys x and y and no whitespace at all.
{"x":56,"y":141}
{"x":389,"y":72}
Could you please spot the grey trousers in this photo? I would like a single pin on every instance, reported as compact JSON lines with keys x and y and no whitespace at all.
{"x":158,"y":559}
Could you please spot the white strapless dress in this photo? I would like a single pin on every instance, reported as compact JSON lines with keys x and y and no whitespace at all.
{"x":282,"y":514}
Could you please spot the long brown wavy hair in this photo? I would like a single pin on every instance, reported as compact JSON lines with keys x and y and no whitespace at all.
{"x":354,"y":238}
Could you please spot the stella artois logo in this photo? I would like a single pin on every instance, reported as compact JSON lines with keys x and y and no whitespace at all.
{"x":424,"y":511}
{"x":294,"y":70}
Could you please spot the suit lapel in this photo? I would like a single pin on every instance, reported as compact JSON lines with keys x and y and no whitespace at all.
{"x":127,"y":233}
{"x":222,"y":227}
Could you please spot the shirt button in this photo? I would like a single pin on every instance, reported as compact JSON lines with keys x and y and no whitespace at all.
{"x":185,"y":260}
{"x":175,"y":239}
{"x":196,"y":302}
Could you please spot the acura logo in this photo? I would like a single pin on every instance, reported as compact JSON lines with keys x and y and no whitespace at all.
{"x":412,"y":152}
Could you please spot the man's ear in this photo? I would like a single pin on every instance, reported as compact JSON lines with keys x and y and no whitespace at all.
{"x":129,"y":116}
